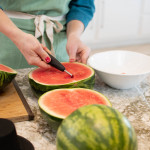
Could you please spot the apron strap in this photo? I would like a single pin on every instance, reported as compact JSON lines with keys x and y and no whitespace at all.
{"x":52,"y":23}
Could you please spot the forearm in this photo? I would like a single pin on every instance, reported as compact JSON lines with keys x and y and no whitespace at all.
{"x":8,"y":28}
{"x":75,"y":28}
{"x":28,"y":45}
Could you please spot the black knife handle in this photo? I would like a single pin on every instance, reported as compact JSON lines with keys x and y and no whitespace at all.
{"x":55,"y":63}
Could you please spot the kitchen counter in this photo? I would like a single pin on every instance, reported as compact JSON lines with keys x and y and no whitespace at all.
{"x":133,"y":103}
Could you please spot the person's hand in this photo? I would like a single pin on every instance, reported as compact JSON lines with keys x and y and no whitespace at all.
{"x":77,"y":50}
{"x":32,"y":50}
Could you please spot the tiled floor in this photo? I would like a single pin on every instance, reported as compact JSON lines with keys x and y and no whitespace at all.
{"x":145,"y":48}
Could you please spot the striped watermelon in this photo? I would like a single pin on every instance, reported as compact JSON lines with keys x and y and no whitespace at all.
{"x":42,"y":80}
{"x":96,"y":127}
{"x":7,"y":74}
{"x":57,"y":104}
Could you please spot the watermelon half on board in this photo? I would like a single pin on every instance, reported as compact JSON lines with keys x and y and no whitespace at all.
{"x":43,"y":80}
{"x":7,"y":74}
{"x":96,"y":127}
{"x":57,"y":104}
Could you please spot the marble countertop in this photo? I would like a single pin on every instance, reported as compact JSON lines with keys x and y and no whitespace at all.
{"x":133,"y":103}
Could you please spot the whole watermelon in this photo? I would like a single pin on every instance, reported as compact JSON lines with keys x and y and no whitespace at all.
{"x":96,"y":127}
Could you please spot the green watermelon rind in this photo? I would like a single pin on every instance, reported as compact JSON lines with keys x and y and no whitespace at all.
{"x":56,"y":120}
{"x":39,"y":88}
{"x":6,"y":78}
{"x":85,"y":83}
{"x":108,"y":129}
{"x":51,"y":120}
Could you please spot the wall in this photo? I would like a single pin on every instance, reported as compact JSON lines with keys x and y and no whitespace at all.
{"x":118,"y":23}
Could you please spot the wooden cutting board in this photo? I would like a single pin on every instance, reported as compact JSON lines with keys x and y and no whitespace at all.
{"x":13,"y":105}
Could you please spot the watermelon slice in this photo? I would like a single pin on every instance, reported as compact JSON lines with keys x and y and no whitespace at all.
{"x":7,"y":74}
{"x":57,"y":104}
{"x":42,"y":80}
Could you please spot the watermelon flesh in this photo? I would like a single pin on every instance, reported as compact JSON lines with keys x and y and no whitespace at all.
{"x":42,"y":80}
{"x":6,"y":69}
{"x":62,"y":102}
{"x":7,"y":74}
{"x":54,"y":76}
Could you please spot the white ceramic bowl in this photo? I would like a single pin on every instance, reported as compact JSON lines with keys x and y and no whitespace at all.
{"x":120,"y":69}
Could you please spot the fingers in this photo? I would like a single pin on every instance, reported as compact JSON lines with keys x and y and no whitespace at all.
{"x":80,"y":56}
{"x":72,"y":50}
{"x":41,"y":58}
{"x":42,"y":54}
{"x":77,"y":51}
{"x":41,"y":64}
{"x":46,"y":49}
{"x":36,"y":61}
{"x":32,"y":50}
{"x":85,"y":55}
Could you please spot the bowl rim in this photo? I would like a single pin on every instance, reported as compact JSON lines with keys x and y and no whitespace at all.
{"x":119,"y":50}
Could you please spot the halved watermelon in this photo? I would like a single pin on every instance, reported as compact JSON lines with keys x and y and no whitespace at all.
{"x":42,"y":80}
{"x":57,"y":104}
{"x":7,"y":74}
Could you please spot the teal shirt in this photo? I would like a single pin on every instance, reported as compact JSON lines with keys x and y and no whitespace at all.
{"x":82,"y":10}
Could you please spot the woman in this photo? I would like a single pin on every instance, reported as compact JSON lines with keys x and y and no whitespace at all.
{"x":58,"y":24}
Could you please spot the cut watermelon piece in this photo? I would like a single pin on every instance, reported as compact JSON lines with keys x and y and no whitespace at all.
{"x":7,"y":74}
{"x":57,"y":104}
{"x":42,"y":80}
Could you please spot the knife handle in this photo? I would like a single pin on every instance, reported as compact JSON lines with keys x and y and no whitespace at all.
{"x":55,"y":63}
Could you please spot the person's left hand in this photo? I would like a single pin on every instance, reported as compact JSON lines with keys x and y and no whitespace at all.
{"x":77,"y":50}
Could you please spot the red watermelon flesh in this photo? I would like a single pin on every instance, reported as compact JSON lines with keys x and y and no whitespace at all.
{"x":62,"y":102}
{"x":5,"y":68}
{"x":55,"y":77}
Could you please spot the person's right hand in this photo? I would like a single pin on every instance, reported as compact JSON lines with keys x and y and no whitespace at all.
{"x":32,"y":50}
